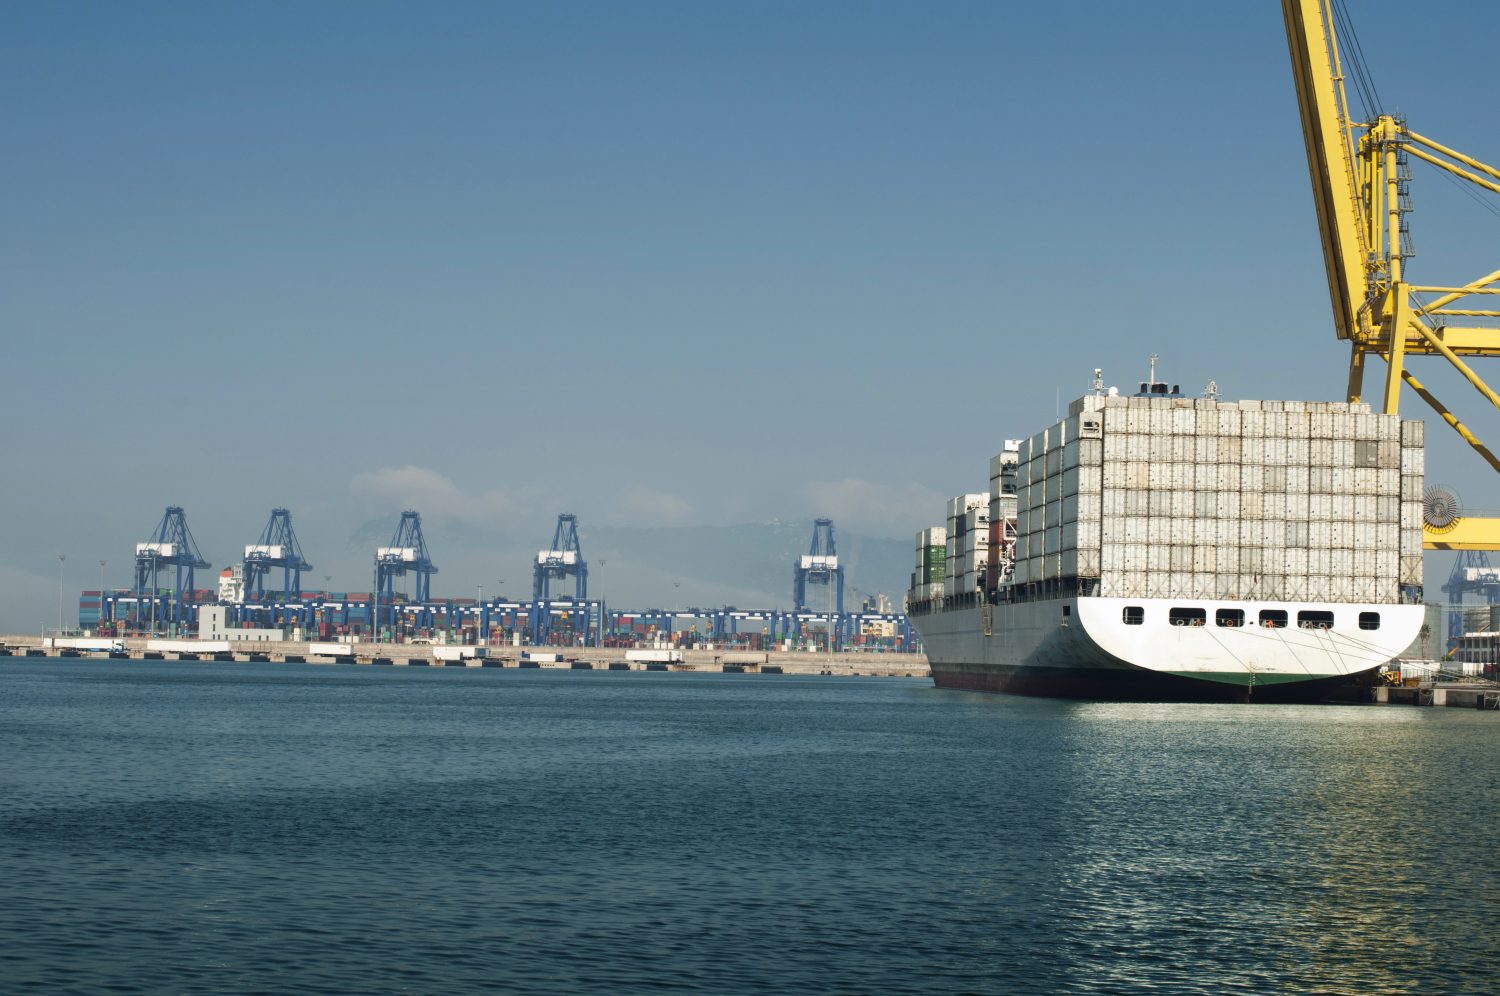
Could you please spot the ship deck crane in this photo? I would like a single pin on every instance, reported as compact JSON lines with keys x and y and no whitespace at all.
{"x":277,"y":547}
{"x":1360,"y":178}
{"x":171,"y":545}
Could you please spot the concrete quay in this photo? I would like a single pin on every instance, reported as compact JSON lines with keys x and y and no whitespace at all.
{"x":887,"y":665}
{"x":1453,"y":695}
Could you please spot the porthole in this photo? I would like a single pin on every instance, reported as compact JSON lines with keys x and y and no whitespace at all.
{"x":1187,"y":617}
{"x":1273,"y":618}
{"x":1315,"y":619}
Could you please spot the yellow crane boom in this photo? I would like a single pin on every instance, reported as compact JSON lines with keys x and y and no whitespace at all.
{"x":1359,"y":181}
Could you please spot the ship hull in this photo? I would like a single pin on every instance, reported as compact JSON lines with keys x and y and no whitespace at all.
{"x":1082,"y":648}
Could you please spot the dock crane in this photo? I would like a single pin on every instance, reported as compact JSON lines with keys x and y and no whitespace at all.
{"x":1360,"y":178}
{"x":1472,"y":575}
{"x":562,"y":560}
{"x":171,"y":545}
{"x":819,"y":565}
{"x":277,"y":547}
{"x":406,"y":552}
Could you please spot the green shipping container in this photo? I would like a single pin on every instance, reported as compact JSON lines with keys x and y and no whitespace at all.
{"x":935,"y":562}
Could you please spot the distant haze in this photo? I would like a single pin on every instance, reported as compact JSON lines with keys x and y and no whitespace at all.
{"x":668,"y":266}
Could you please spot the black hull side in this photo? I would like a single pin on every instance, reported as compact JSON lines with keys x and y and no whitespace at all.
{"x":1137,"y":685}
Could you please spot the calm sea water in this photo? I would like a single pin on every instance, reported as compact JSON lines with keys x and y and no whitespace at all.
{"x":171,"y":827}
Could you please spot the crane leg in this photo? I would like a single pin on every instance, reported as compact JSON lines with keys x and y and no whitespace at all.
{"x":1356,"y":371}
{"x":1400,"y":311}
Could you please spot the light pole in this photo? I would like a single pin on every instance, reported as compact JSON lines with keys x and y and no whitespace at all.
{"x":60,"y":558}
{"x":599,"y":632}
{"x":100,"y":621}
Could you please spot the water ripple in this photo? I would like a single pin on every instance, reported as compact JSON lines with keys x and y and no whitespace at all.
{"x":201,"y":829}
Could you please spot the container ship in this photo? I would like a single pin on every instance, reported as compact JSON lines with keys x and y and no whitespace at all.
{"x":1171,"y":548}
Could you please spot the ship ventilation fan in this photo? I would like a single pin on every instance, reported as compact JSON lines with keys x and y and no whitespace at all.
{"x":1441,"y":509}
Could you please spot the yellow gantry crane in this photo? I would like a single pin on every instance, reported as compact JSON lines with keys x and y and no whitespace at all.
{"x":1359,"y":180}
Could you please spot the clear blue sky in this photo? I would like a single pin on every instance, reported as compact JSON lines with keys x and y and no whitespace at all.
{"x":650,"y":263}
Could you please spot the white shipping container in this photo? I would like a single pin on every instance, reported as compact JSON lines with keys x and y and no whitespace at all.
{"x":1411,"y":570}
{"x":1273,"y":534}
{"x":1413,"y":461}
{"x":1410,"y":515}
{"x":1090,"y":534}
{"x":1159,"y":531}
{"x":1054,"y":514}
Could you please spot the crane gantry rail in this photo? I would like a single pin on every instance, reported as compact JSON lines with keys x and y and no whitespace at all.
{"x":1360,"y":176}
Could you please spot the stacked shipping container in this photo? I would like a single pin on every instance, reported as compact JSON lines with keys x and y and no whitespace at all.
{"x":932,"y":564}
{"x":1002,"y":540}
{"x":1181,"y":497}
{"x":968,"y":543}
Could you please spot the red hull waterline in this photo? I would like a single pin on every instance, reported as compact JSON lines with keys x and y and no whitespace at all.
{"x":1136,"y":685}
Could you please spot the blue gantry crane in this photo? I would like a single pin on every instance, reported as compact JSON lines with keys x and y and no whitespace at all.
{"x":1472,"y":575}
{"x":172,"y":545}
{"x":562,"y":560}
{"x":407,"y":553}
{"x":819,"y":565}
{"x":277,"y":547}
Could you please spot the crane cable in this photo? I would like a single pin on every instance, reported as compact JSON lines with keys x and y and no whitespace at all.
{"x":1364,"y":80}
